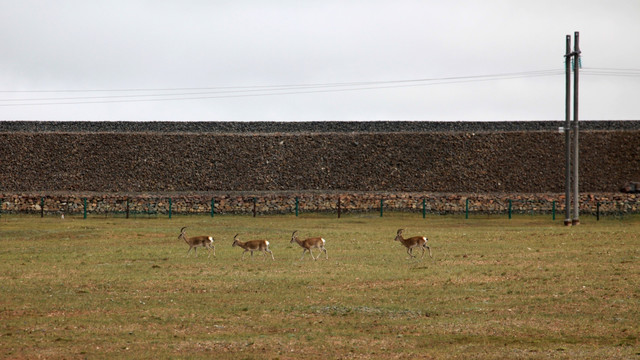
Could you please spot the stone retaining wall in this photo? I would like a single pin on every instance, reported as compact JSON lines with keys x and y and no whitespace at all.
{"x":509,"y":162}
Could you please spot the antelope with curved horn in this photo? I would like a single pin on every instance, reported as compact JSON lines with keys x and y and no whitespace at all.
{"x":310,"y":243}
{"x":253,"y":245}
{"x":196,"y":241}
{"x":413,"y":242}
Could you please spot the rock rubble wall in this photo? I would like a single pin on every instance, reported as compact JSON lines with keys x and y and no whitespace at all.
{"x":446,"y":162}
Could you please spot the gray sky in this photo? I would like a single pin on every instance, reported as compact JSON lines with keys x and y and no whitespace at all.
{"x":222,"y":59}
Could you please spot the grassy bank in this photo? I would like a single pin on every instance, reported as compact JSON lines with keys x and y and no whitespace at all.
{"x":496,"y":288}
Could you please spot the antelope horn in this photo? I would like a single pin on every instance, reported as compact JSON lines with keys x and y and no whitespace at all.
{"x":182,"y":233}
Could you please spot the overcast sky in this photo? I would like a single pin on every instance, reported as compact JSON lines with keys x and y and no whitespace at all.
{"x":209,"y":60}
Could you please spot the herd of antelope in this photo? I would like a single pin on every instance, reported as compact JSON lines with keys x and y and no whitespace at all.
{"x":306,"y":244}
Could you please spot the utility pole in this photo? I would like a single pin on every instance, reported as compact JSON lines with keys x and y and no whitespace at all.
{"x":567,"y":134}
{"x":576,"y":155}
{"x":572,"y":57}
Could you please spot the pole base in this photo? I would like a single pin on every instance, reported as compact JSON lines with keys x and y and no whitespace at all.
{"x":567,"y":222}
{"x":575,"y":222}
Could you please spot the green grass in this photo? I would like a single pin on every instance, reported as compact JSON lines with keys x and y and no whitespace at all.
{"x":497,"y":288}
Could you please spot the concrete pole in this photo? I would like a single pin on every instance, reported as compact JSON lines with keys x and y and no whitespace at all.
{"x":576,"y":162}
{"x":567,"y":135}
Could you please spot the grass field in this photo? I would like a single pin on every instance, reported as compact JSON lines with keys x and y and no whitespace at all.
{"x":497,"y":288}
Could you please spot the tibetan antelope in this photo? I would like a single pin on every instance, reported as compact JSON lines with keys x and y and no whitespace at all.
{"x":310,"y":243}
{"x":253,"y":245}
{"x":196,"y":241}
{"x":413,"y":242}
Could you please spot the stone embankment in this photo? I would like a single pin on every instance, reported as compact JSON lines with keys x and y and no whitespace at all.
{"x":511,"y":162}
{"x":361,"y":163}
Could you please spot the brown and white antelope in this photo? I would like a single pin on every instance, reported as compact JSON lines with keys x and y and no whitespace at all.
{"x":310,"y":243}
{"x":196,"y":241}
{"x":413,"y":242}
{"x":253,"y":245}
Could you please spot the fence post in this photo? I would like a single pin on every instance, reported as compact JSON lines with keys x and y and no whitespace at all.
{"x":424,"y":208}
{"x":338,"y":207}
{"x":381,"y":206}
{"x":213,"y":204}
{"x":466,"y":209}
{"x":42,"y":207}
{"x":509,"y":209}
{"x":254,"y":206}
{"x":85,"y":208}
{"x":598,"y":211}
{"x":170,"y":207}
{"x":553,"y":211}
{"x":297,"y":204}
{"x":127,"y":208}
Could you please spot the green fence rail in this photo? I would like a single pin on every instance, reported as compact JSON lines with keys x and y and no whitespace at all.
{"x":252,"y":205}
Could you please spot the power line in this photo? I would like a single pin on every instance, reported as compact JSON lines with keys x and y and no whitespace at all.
{"x":614,"y":70}
{"x":219,"y":92}
{"x":611,"y":72}
{"x":271,"y":87}
{"x":303,"y":89}
{"x":255,"y":91}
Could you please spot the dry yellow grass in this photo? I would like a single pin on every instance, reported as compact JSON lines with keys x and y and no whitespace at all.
{"x":496,"y":288}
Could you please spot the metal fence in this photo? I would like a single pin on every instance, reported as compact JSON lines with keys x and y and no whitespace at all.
{"x":373,"y":205}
